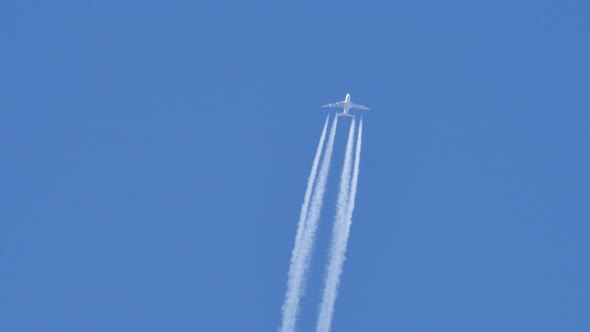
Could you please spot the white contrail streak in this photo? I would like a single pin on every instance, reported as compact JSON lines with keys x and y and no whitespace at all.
{"x":341,"y":211}
{"x":339,"y":242}
{"x":308,"y":190}
{"x":304,"y":243}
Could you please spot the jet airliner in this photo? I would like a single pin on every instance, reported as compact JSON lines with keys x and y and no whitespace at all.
{"x":346,"y":105}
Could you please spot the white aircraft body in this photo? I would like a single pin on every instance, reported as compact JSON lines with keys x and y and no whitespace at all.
{"x":346,"y":105}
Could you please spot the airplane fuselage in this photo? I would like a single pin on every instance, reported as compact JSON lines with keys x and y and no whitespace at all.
{"x":346,"y":104}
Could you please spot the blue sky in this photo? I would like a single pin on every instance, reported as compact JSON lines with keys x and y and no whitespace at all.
{"x":153,"y":160}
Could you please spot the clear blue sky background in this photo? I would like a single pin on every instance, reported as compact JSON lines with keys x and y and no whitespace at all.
{"x":153,"y":160}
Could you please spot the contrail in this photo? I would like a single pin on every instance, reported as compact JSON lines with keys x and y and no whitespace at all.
{"x":341,"y":211}
{"x":303,"y":244}
{"x":339,"y":242}
{"x":308,"y":190}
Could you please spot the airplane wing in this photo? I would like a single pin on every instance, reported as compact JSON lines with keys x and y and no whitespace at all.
{"x":360,"y":107}
{"x":338,"y":104}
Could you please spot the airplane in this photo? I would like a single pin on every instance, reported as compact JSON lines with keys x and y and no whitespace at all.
{"x":347,"y":105}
